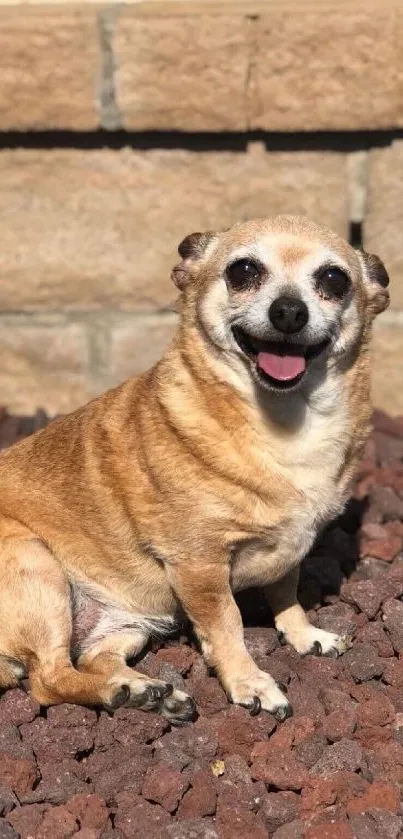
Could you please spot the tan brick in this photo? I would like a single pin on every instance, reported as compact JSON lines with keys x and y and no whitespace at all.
{"x":336,"y":68}
{"x":84,"y":229}
{"x":137,"y":344}
{"x":387,"y":378}
{"x":384,"y":222}
{"x":185,"y":73}
{"x":43,"y":365}
{"x":49,"y":68}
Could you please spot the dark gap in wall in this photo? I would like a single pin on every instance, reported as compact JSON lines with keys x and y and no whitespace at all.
{"x":356,"y":234}
{"x":341,"y":141}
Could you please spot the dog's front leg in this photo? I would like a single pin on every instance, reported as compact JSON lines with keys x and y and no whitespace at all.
{"x":292,"y":623}
{"x":204,"y":592}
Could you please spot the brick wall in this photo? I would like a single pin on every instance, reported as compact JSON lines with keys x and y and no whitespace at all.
{"x":123,"y":127}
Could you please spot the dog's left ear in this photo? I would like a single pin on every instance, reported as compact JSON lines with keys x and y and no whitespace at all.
{"x":191,"y":249}
{"x":376,"y":280}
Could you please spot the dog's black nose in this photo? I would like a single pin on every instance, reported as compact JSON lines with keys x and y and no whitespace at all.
{"x":288,"y":314}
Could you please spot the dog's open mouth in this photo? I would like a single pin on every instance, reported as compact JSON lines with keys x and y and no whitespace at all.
{"x":279,"y":363}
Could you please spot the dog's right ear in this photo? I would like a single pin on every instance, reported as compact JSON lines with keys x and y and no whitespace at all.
{"x":191,"y":249}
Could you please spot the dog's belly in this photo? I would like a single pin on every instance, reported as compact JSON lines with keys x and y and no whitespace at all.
{"x":95,"y":618}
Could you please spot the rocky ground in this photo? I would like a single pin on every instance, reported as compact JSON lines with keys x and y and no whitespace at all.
{"x":332,"y":771}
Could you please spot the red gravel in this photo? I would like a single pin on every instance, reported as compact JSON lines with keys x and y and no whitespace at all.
{"x":332,"y":771}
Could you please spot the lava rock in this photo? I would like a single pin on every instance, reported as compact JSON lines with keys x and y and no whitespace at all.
{"x":363,"y":662}
{"x":392,"y":615}
{"x":278,"y":808}
{"x":165,"y":786}
{"x":281,"y":770}
{"x":340,"y":724}
{"x":345,"y":755}
{"x":376,"y":824}
{"x":365,"y":595}
{"x":191,"y":829}
{"x":136,"y":818}
{"x":379,"y":795}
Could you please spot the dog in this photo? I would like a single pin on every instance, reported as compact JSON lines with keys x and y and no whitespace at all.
{"x":210,"y":473}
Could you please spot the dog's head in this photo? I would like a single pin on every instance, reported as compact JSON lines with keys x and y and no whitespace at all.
{"x":280,"y":296}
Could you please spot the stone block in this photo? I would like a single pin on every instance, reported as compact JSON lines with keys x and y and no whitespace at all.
{"x":136,"y":344}
{"x":49,"y":68}
{"x":184,"y":73}
{"x":387,"y":379}
{"x":43,"y":365}
{"x":384,"y":221}
{"x":94,"y":229}
{"x":338,"y":68}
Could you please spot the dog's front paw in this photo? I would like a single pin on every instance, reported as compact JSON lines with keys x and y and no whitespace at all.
{"x":313,"y":641}
{"x":260,"y":692}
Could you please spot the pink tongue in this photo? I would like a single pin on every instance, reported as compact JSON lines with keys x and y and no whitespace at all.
{"x":281,"y":367}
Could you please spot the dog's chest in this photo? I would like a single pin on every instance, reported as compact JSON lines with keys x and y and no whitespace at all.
{"x":322,"y":498}
{"x":321,"y":494}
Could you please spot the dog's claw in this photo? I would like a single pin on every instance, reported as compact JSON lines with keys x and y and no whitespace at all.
{"x":154,"y":694}
{"x":346,"y":642}
{"x":282,"y":712}
{"x":256,"y":707}
{"x":281,"y":637}
{"x":180,"y":710}
{"x":121,"y":698}
{"x":332,"y":653}
{"x":316,"y":648}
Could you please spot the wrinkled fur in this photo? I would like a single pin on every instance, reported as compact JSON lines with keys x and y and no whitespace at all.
{"x":176,"y":488}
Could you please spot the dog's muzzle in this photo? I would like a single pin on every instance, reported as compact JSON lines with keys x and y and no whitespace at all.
{"x":280,"y":365}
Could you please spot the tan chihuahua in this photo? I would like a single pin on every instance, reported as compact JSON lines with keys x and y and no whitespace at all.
{"x":210,"y":473}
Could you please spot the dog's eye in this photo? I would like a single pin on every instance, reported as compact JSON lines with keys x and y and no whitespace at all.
{"x":243,"y":273}
{"x":333,"y":282}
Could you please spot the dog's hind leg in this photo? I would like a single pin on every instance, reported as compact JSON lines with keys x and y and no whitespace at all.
{"x":108,"y":657}
{"x":36,"y":626}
